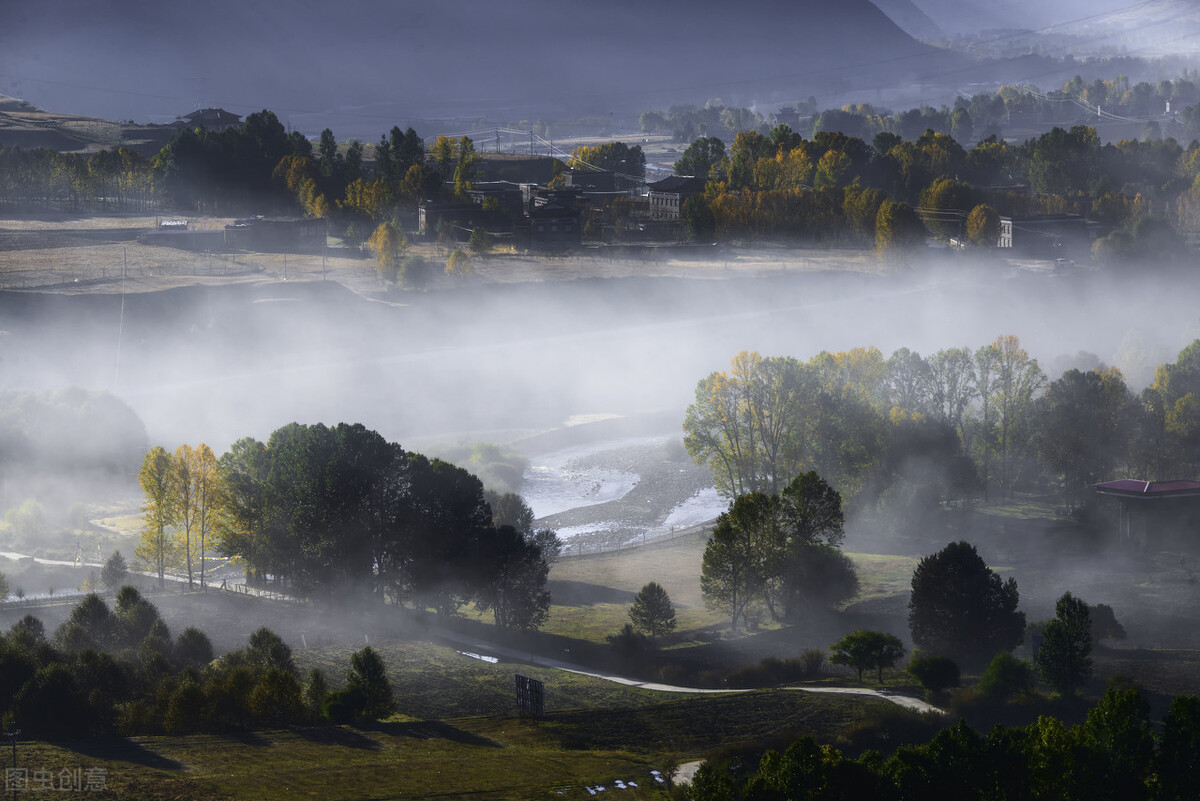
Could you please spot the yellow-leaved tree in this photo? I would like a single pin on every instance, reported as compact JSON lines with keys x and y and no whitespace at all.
{"x":158,"y":512}
{"x":183,"y":488}
{"x":207,"y":494}
{"x":387,"y":242}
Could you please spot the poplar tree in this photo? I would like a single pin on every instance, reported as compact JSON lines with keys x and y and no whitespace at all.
{"x":158,"y":510}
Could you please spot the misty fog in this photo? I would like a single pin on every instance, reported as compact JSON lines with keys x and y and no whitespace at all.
{"x":495,"y":362}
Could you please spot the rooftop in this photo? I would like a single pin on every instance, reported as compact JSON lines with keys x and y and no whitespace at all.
{"x":1137,"y":488}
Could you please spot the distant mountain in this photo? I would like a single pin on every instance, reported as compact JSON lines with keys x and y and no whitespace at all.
{"x":371,"y":63}
{"x":1120,"y":19}
{"x":912,"y":20}
{"x":970,"y":17}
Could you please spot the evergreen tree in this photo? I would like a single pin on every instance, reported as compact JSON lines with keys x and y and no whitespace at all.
{"x":1062,"y":659}
{"x":114,"y":571}
{"x":961,"y":609}
{"x":652,"y":613}
{"x":368,"y":676}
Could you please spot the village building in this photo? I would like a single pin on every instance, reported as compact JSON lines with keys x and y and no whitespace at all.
{"x":667,"y":196}
{"x":276,"y":235}
{"x":1049,"y":236}
{"x":211,"y":119}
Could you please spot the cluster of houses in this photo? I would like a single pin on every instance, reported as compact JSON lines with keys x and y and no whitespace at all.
{"x":553,"y":216}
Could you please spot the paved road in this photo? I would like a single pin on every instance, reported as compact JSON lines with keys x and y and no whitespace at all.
{"x":483,"y":648}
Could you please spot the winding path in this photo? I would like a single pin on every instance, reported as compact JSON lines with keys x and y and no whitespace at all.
{"x":482,"y":647}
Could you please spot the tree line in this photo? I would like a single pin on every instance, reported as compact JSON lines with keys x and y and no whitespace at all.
{"x":108,"y":670}
{"x":957,"y":424}
{"x":834,"y":187}
{"x":968,"y":119}
{"x":339,"y":514}
{"x":1116,"y":753}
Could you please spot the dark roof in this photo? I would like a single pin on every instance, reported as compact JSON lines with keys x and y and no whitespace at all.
{"x":212,"y":116}
{"x":1136,"y":488}
{"x":683,"y":184}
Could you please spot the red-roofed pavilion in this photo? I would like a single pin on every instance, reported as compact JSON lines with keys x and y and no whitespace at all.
{"x":1151,"y":500}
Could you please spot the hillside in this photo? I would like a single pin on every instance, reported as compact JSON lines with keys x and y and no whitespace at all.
{"x":387,"y":62}
{"x":911,"y":19}
{"x":25,"y":125}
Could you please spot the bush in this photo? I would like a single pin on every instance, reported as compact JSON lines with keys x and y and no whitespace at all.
{"x":343,"y":706}
{"x":935,"y":673}
{"x":628,"y":642}
{"x":1006,"y":677}
{"x":813,"y":659}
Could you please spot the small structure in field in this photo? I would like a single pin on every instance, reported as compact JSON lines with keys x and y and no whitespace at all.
{"x":1164,"y":510}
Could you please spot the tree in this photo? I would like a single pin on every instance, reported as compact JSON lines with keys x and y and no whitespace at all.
{"x":1082,"y":428}
{"x":1105,"y":624}
{"x":1118,"y":733}
{"x":615,"y":157}
{"x":936,"y":673}
{"x":730,"y":576}
{"x":983,"y":226}
{"x":466,"y":172}
{"x":812,"y":571}
{"x":700,"y":157}
{"x":206,"y":495}
{"x":480,"y":241}
{"x":697,"y":218}
{"x":158,"y":510}
{"x":387,"y":242}
{"x":316,"y":690}
{"x":1018,"y":380}
{"x":862,"y":649}
{"x":652,"y":612}
{"x":898,"y":229}
{"x":114,"y":570}
{"x":1062,"y":658}
{"x":3,"y":587}
{"x":961,"y":609}
{"x":1178,"y":762}
{"x":744,"y":423}
{"x":515,"y":586}
{"x":458,"y":264}
{"x":193,"y":648}
{"x":368,"y":676}
{"x":267,"y":650}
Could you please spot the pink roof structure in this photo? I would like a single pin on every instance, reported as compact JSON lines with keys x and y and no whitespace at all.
{"x":1136,"y":488}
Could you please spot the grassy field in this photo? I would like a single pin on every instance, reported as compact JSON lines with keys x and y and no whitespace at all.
{"x":434,"y":681}
{"x":595,"y":733}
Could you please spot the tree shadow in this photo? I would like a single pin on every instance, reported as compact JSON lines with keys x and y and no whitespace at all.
{"x":339,"y":735}
{"x":580,"y":593}
{"x":118,"y":749}
{"x":249,"y":738}
{"x":431,"y":730}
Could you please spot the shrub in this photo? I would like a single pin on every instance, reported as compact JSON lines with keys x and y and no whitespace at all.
{"x":812,"y":660}
{"x":1006,"y":677}
{"x":935,"y":673}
